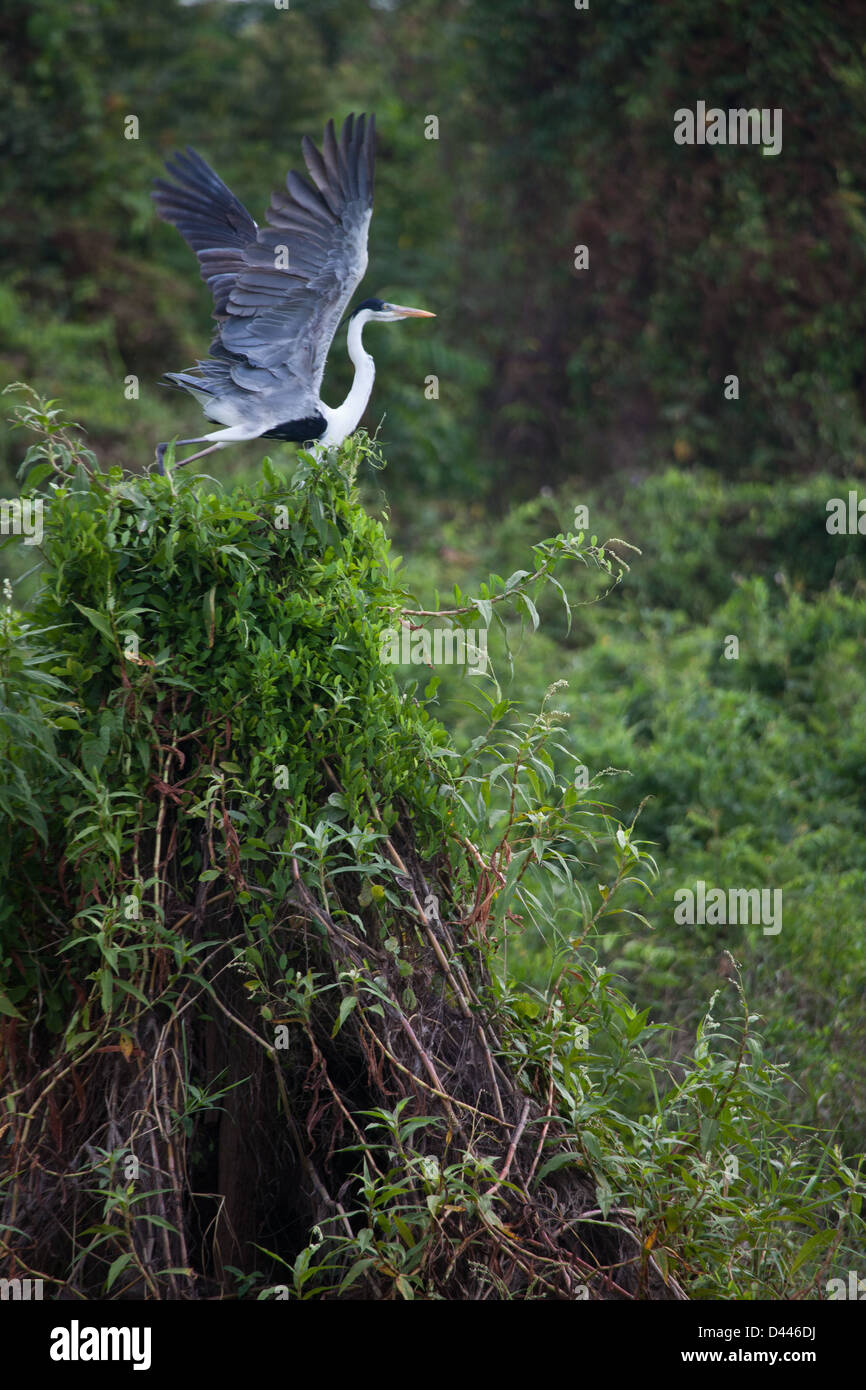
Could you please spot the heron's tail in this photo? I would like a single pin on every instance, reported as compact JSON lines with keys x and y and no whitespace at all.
{"x":182,"y":381}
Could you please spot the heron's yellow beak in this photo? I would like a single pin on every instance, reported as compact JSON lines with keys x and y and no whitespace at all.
{"x":411,"y":313}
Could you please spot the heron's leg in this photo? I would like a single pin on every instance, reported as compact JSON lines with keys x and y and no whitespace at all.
{"x":161,"y":448}
{"x":201,"y":453}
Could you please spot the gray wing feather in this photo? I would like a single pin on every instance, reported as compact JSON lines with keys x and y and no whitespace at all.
{"x":279,"y":291}
{"x":210,"y":219}
{"x":306,"y":263}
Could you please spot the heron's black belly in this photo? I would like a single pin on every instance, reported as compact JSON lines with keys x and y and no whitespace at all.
{"x":299,"y":431}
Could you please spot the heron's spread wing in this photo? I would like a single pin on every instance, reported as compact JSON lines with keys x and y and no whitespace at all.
{"x":281,"y":290}
{"x":210,"y":219}
{"x":305,"y":265}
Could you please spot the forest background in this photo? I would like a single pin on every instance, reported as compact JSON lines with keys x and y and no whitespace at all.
{"x":555,"y":387}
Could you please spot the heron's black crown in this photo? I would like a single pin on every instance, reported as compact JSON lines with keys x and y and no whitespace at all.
{"x":377,"y":305}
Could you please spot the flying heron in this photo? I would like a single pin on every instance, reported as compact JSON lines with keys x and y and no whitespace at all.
{"x":280,"y":292}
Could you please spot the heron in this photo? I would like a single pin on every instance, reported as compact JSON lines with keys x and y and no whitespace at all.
{"x":280,"y":292}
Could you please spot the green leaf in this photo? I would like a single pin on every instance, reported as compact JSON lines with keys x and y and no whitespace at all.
{"x":530,"y":609}
{"x":814,"y":1246}
{"x":506,"y":893}
{"x":485,"y":608}
{"x":560,"y":1161}
{"x":117,"y":1267}
{"x":8,"y":1008}
{"x":99,"y":621}
{"x":106,"y":985}
{"x":346,"y":1007}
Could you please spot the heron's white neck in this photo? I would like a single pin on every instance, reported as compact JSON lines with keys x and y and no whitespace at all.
{"x":346,"y":417}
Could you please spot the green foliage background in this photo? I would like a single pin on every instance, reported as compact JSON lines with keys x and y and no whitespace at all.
{"x":556,"y":388}
{"x":555,"y":129}
{"x":218,"y":650}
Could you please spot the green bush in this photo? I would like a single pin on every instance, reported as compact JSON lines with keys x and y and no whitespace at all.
{"x":748,"y":771}
{"x":222,"y":811}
